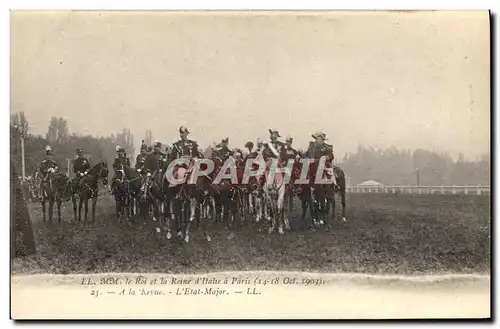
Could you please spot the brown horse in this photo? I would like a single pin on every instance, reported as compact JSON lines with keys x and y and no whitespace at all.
{"x":323,"y":198}
{"x":56,"y":188}
{"x":188,"y":198}
{"x":89,"y":189}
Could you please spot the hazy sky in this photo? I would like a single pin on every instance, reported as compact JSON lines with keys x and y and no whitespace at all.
{"x":379,"y":79}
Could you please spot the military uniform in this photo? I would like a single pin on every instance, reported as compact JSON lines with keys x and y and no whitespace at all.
{"x":117,"y":165}
{"x":279,"y":147}
{"x":184,"y":148}
{"x":151,"y":163}
{"x":317,"y":151}
{"x":291,"y":153}
{"x":139,"y":161}
{"x":323,"y":150}
{"x":81,"y":166}
{"x":121,"y":161}
{"x":161,"y":158}
{"x":141,"y":157}
{"x":224,"y":153}
{"x":47,"y":165}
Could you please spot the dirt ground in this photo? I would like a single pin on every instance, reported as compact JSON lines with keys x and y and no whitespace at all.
{"x":385,"y":234}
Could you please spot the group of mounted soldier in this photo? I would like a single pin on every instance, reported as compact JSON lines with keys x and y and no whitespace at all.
{"x":150,"y":159}
{"x":144,"y":184}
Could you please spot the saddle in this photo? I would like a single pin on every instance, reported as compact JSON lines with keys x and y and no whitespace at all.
{"x":181,"y":173}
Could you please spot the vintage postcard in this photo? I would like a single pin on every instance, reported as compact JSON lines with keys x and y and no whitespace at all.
{"x":250,"y":164}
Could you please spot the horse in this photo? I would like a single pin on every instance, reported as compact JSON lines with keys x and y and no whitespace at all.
{"x":274,"y":191}
{"x":323,"y":198}
{"x":124,"y":192}
{"x":226,"y":196}
{"x":189,"y":199}
{"x":340,"y":189}
{"x":55,"y":189}
{"x":304,"y":193}
{"x":88,"y":188}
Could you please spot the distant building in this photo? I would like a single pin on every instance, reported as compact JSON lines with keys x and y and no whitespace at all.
{"x":370,"y":183}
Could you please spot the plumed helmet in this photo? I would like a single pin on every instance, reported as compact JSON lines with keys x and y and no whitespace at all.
{"x":249,"y":145}
{"x":157,"y":144}
{"x":274,"y":132}
{"x":289,"y":138}
{"x":48,"y":150}
{"x":118,"y":147}
{"x":183,"y":129}
{"x":319,"y":134}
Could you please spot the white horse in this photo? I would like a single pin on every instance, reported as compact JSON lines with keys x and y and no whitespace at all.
{"x":274,"y":191}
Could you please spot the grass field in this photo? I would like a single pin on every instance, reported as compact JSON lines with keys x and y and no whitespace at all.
{"x":385,"y":234}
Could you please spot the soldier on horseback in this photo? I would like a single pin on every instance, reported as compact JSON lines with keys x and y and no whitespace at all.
{"x":185,"y":146}
{"x":291,"y":153}
{"x":81,"y":167}
{"x":121,"y":159}
{"x":160,"y":156}
{"x":320,"y":148}
{"x":47,"y":167}
{"x":151,"y":165}
{"x":223,"y":150}
{"x":274,"y":148}
{"x":141,"y":157}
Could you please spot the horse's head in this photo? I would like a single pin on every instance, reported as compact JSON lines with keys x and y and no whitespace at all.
{"x":120,"y":173}
{"x":100,"y":171}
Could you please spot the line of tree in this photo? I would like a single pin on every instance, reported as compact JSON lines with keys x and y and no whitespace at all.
{"x":63,"y":143}
{"x":388,"y":166}
{"x":402,"y":167}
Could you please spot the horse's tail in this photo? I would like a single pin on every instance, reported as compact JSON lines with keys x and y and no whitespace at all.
{"x":340,"y":178}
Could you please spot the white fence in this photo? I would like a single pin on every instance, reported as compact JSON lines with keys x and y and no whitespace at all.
{"x":454,"y":189}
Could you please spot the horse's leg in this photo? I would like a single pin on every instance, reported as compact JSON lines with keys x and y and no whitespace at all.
{"x":343,"y":204}
{"x":176,"y":206}
{"x":205,"y":219}
{"x":218,"y":207}
{"x":94,"y":205}
{"x":192,"y":215}
{"x":251,"y":207}
{"x":286,"y":210}
{"x":73,"y":201}
{"x":305,"y":204}
{"x":332,"y":201}
{"x":267,"y":209}
{"x":43,"y":209}
{"x":51,"y":208}
{"x":117,"y":205}
{"x":236,"y":208}
{"x":59,"y":203}
{"x":290,"y":199}
{"x":281,"y":211}
{"x":86,"y":208}
{"x":269,"y":202}
{"x":80,"y":204}
{"x":322,"y":210}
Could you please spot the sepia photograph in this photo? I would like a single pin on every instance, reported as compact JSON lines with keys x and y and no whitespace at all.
{"x":250,"y":164}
